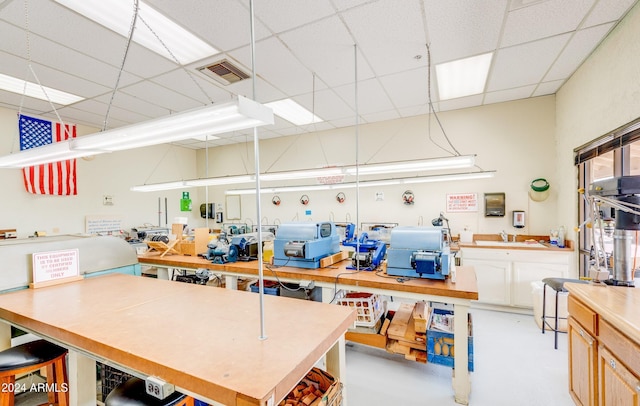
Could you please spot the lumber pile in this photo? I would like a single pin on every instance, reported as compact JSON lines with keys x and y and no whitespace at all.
{"x":407,"y":332}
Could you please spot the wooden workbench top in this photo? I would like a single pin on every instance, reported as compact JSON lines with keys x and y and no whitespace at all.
{"x":618,"y":305}
{"x":465,"y":286}
{"x":203,"y":340}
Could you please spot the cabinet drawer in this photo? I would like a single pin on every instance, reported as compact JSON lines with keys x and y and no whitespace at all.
{"x":619,"y":344}
{"x":584,"y":315}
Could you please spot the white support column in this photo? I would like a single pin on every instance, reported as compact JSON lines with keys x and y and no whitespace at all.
{"x":336,"y":359}
{"x":231,"y":282}
{"x":461,"y":378}
{"x":82,"y":379}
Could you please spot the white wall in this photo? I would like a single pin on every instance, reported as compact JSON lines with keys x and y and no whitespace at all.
{"x":601,"y":96}
{"x":516,"y":139}
{"x":107,"y":174}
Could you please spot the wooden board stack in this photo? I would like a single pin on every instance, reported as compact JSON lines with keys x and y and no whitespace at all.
{"x":407,"y":332}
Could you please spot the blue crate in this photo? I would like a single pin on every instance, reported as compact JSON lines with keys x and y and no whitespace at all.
{"x":437,"y":336}
{"x":270,"y":288}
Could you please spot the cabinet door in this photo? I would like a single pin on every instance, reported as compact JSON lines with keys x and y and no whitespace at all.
{"x":618,"y":386}
{"x":526,"y":272}
{"x":494,"y":278}
{"x":583,"y":353}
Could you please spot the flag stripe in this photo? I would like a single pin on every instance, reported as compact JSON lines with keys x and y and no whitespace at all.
{"x":57,"y":178}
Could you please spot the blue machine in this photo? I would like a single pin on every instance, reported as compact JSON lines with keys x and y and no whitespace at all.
{"x":221,"y":252}
{"x":304,"y":244}
{"x":420,"y":252}
{"x":369,"y":253}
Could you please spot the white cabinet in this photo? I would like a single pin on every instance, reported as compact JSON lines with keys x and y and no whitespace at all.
{"x":494,"y":279}
{"x":505,"y":275}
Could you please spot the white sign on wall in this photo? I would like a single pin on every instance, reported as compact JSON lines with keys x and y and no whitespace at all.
{"x":55,"y":265}
{"x":462,"y":202}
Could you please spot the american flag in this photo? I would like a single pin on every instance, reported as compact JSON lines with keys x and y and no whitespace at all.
{"x":56,"y":178}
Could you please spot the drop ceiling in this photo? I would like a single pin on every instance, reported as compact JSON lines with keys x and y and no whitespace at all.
{"x":306,"y":50}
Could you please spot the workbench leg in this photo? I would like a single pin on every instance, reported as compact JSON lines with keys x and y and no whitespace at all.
{"x":5,"y":336}
{"x":82,"y":379}
{"x":336,"y":359}
{"x":327,"y":294}
{"x":461,"y":378}
{"x":231,"y":282}
{"x":163,"y":273}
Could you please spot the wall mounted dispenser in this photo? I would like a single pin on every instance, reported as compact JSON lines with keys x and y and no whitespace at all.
{"x":518,"y":219}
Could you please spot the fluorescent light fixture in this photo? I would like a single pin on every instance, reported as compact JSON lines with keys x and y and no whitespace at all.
{"x":463,"y":77}
{"x":116,"y":15}
{"x":160,"y":186}
{"x":372,"y":183}
{"x":57,"y":151}
{"x":34,"y":90}
{"x":453,"y":162}
{"x":213,"y":119}
{"x":293,"y":112}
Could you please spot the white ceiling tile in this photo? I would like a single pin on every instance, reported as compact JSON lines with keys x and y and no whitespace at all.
{"x":329,"y":106}
{"x":461,"y":103}
{"x":194,"y":84}
{"x":577,"y":50}
{"x":224,"y":24}
{"x":381,"y":116}
{"x":283,"y":15}
{"x":411,"y":111}
{"x":547,"y":88}
{"x":460,"y":28}
{"x":389,"y":36}
{"x":332,"y":55}
{"x":510,"y":94}
{"x":160,"y":96}
{"x":282,"y":70}
{"x":371,"y":97}
{"x":409,"y":88}
{"x":606,"y":11}
{"x":543,"y":20}
{"x":524,"y":64}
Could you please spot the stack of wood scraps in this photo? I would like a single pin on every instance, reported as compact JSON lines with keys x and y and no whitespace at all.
{"x":407,"y":331}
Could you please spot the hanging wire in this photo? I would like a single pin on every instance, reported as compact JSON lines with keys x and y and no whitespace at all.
{"x":132,"y":27}
{"x":175,"y":59}
{"x":432,"y":110}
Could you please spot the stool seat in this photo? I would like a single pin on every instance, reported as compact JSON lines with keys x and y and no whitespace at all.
{"x":28,"y":354}
{"x":557,"y":284}
{"x":132,"y":392}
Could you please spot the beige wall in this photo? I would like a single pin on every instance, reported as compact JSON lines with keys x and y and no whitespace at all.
{"x":107,"y":174}
{"x":601,"y":96}
{"x":516,"y":139}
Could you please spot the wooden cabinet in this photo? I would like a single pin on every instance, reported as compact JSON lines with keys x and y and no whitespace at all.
{"x":505,"y":275}
{"x":618,"y":385}
{"x":583,"y":372}
{"x":604,"y":366}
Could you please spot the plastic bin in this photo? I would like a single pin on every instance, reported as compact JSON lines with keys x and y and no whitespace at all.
{"x":270,"y":288}
{"x":437,"y":341}
{"x":314,"y":294}
{"x":369,"y":307}
{"x":537,"y":291}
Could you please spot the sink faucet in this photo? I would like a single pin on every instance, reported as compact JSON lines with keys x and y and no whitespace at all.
{"x":504,"y":235}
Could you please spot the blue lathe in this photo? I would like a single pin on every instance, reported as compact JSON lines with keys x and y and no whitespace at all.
{"x":419,"y":252}
{"x":369,"y":253}
{"x":304,"y":244}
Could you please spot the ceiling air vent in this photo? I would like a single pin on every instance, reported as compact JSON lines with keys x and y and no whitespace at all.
{"x":224,"y":72}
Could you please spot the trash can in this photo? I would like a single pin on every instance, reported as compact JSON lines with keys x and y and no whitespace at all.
{"x":550,"y":310}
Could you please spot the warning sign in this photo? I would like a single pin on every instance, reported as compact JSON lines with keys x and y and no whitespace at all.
{"x":52,"y":265}
{"x":462,"y":202}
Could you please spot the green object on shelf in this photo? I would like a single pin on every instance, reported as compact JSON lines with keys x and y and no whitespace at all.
{"x":185,"y":202}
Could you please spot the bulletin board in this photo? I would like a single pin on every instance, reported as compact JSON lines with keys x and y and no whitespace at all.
{"x":102,"y":224}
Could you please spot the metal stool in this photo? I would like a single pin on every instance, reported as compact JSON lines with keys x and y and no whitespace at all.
{"x":132,"y":392}
{"x":556,"y":284}
{"x":30,"y":357}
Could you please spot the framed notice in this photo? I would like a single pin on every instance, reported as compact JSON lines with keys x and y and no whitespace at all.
{"x":53,"y":267}
{"x":462,"y":202}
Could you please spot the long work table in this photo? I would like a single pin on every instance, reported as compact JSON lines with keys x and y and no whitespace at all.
{"x":337,"y":277}
{"x":204,"y":341}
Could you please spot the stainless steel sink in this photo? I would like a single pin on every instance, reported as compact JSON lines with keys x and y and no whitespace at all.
{"x":510,"y":244}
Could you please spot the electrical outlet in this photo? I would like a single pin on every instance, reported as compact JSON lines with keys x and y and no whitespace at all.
{"x":107,"y":200}
{"x":158,"y":388}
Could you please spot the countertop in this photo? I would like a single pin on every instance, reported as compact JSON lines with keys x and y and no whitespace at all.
{"x":520,"y":243}
{"x":618,"y":305}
